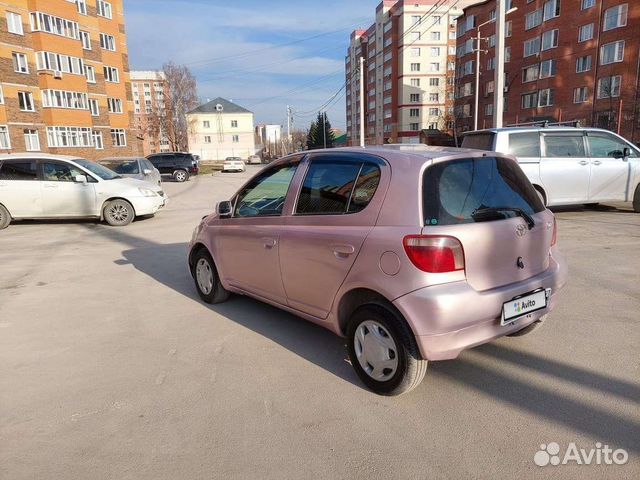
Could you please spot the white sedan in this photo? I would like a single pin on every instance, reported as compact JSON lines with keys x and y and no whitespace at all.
{"x":233,"y":164}
{"x":56,"y":186}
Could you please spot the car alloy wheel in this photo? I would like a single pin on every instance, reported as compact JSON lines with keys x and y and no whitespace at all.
{"x":376,"y":350}
{"x":118,"y":213}
{"x":181,"y":176}
{"x":204,"y":276}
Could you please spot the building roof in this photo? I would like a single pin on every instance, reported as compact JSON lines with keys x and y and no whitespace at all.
{"x":147,"y":75}
{"x":227,"y":107}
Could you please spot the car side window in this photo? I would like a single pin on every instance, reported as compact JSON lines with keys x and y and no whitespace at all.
{"x":266,"y":194}
{"x":602,"y":145}
{"x":525,"y":144}
{"x":564,"y":145}
{"x":60,"y":172}
{"x":147,"y":165}
{"x":337,"y":187}
{"x":18,"y":170}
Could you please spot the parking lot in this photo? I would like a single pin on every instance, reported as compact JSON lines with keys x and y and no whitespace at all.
{"x":111,"y":367}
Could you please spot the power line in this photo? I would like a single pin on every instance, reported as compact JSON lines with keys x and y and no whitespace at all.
{"x":324,"y":105}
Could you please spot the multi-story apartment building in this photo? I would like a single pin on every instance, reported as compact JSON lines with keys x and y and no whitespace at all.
{"x":220,"y":129}
{"x":64,"y":78}
{"x":150,"y":92}
{"x":565,"y":60}
{"x":409,"y":63}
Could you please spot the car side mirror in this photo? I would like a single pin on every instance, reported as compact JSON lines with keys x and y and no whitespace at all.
{"x":80,"y":179}
{"x":146,"y":171}
{"x":626,"y":152}
{"x":224,"y":209}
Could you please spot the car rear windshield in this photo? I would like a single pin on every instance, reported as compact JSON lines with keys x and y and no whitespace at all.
{"x":453,"y":191}
{"x":479,"y":141}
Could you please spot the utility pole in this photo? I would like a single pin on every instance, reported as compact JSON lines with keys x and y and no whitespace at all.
{"x":324,"y":128}
{"x":288,"y":127}
{"x":498,"y":91}
{"x":362,"y":102}
{"x":478,"y":49}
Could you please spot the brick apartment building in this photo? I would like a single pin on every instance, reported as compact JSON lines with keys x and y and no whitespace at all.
{"x":409,"y":55}
{"x":64,"y":78}
{"x":565,"y":60}
{"x":150,"y":90}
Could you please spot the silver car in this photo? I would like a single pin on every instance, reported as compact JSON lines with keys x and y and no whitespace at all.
{"x":569,"y":165}
{"x":133,"y":167}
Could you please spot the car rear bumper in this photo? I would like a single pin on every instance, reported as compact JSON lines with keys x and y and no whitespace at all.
{"x":450,"y":318}
{"x":148,"y":205}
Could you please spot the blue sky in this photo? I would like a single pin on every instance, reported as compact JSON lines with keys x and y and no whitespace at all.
{"x":229,"y":46}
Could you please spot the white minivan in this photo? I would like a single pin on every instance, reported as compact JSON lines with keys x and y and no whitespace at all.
{"x":569,"y":165}
{"x":55,"y":186}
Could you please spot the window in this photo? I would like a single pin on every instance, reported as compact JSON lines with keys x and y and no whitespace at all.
{"x":265,"y":195}
{"x":82,"y":6}
{"x":115,"y":105}
{"x":416,"y":19}
{"x":609,"y":86}
{"x":453,"y":191}
{"x":524,"y":144}
{"x":414,"y":52}
{"x":532,"y":47}
{"x":434,"y":82}
{"x":415,"y":36}
{"x":434,"y":67}
{"x":434,"y":97}
{"x":551,"y":9}
{"x":415,"y":82}
{"x":20,"y":64}
{"x":489,"y":87}
{"x":557,"y":145}
{"x":415,"y":67}
{"x":434,"y":112}
{"x":492,"y":41}
{"x":530,"y":74}
{"x":97,"y":140}
{"x":69,"y":137}
{"x":545,"y":97}
{"x":435,"y":36}
{"x":234,"y":124}
{"x":588,"y":4}
{"x":64,"y":99}
{"x":111,"y":74}
{"x":90,"y":73}
{"x":25,"y":99}
{"x":207,"y":139}
{"x":94,"y":107}
{"x":549,"y":39}
{"x":530,"y":100}
{"x":206,"y":124}
{"x":118,"y":137}
{"x":615,"y":17}
{"x":107,"y":42}
{"x":5,"y":142}
{"x":508,"y":28}
{"x":414,"y":97}
{"x":43,"y":22}
{"x":467,"y":68}
{"x":104,"y":9}
{"x":60,"y":172}
{"x":31,"y":140}
{"x":548,"y":68}
{"x":14,"y":23}
{"x":585,"y":33}
{"x":533,"y":19}
{"x":583,"y":64}
{"x":491,"y":63}
{"x":235,"y":138}
{"x":602,"y":145}
{"x":507,"y":54}
{"x":435,"y":51}
{"x":414,"y":112}
{"x":86,"y":40}
{"x":58,"y":62}
{"x":488,"y":109}
{"x":437,"y":20}
{"x":612,"y":52}
{"x":580,"y":94}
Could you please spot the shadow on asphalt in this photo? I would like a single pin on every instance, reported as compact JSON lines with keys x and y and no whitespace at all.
{"x":167,"y":264}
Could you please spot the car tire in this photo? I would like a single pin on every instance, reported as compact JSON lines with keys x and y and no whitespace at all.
{"x":636,"y":200}
{"x":397,"y":370}
{"x":529,"y":328}
{"x":118,"y":213}
{"x":205,"y":275}
{"x":5,"y":217}
{"x":180,"y":176}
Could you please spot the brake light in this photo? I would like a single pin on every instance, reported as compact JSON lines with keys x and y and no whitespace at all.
{"x":434,"y":254}
{"x":554,"y":237}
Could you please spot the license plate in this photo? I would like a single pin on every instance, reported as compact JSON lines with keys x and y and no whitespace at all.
{"x":524,"y":305}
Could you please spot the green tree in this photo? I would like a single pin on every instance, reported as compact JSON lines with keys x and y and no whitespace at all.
{"x":320,"y":133}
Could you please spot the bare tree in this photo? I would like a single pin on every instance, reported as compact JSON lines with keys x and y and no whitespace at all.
{"x":183,"y":97}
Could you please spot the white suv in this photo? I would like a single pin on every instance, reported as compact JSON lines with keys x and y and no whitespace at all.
{"x":55,"y":186}
{"x":569,"y":165}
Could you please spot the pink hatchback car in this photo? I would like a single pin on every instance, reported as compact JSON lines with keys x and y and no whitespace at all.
{"x":413,"y":253}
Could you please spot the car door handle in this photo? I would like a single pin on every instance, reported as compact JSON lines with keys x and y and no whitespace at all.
{"x":51,"y":186}
{"x":583,"y":162}
{"x":269,"y":243}
{"x":343,"y":251}
{"x":596,"y":162}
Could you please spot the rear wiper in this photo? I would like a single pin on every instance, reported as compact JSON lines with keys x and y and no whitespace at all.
{"x":479,"y":212}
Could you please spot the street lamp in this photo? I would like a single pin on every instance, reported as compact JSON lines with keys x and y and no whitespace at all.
{"x":478,"y":50}
{"x":498,"y":83}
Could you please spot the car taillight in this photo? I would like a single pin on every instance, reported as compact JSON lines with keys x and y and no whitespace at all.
{"x":554,"y":237}
{"x":434,"y":254}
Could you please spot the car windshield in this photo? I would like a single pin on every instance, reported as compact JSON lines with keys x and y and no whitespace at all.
{"x":103,"y":172}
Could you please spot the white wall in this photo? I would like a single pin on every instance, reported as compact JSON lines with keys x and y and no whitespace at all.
{"x":220,"y":139}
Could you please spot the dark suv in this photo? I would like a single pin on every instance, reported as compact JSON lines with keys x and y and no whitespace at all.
{"x":179,"y":165}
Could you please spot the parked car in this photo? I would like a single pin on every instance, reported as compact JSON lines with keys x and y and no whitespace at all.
{"x":413,"y":253}
{"x":37,"y":185}
{"x":233,"y":164}
{"x":569,"y":165}
{"x":254,"y":159}
{"x":133,"y":167}
{"x":181,"y":166}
